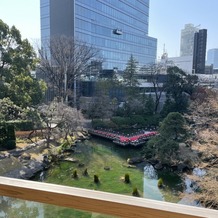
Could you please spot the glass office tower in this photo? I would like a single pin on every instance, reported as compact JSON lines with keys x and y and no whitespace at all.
{"x":187,"y":39}
{"x":199,"y":52}
{"x":212,"y":57}
{"x":118,"y":28}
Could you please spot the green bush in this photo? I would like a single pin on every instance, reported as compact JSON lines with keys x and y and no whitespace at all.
{"x":102,"y":124}
{"x":96,"y":179}
{"x":10,"y":144}
{"x":127,"y":178}
{"x":160,"y":183}
{"x":85,"y":172}
{"x":135,"y":192}
{"x":7,"y":136}
{"x":11,"y":132}
{"x":121,"y":122}
{"x":153,"y":120}
{"x":137,"y":119}
{"x":75,"y":174}
{"x":22,"y":125}
{"x":3,"y":135}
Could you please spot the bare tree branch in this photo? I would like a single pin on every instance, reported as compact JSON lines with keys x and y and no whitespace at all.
{"x":63,"y":60}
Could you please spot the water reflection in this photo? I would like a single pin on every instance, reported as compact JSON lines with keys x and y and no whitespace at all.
{"x":151,"y":190}
{"x":10,"y":207}
{"x":95,"y":155}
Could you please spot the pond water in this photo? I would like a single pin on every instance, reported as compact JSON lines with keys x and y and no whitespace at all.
{"x":109,"y":162}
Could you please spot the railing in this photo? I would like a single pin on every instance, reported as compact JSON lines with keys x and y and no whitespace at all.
{"x":96,"y":201}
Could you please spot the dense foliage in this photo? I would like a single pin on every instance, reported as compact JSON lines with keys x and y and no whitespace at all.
{"x":17,"y":60}
{"x":7,"y":136}
{"x":179,"y":87}
{"x":165,"y":145}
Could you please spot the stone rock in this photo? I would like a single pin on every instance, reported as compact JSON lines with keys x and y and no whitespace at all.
{"x":25,"y":156}
{"x":153,"y":161}
{"x":16,"y":153}
{"x":134,"y":160}
{"x":182,"y":145}
{"x":70,"y":159}
{"x":183,"y":167}
{"x":80,"y":136}
{"x":131,"y":166}
{"x":81,"y":165}
{"x":158,"y":166}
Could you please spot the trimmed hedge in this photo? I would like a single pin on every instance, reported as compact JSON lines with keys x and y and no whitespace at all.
{"x":121,"y":121}
{"x":10,"y":144}
{"x":7,"y":136}
{"x":102,"y":124}
{"x":21,"y":125}
{"x":3,"y":135}
{"x":129,"y":121}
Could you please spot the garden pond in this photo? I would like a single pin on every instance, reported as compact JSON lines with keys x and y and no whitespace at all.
{"x":109,"y":162}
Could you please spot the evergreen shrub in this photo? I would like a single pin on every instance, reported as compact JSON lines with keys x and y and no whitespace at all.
{"x":160,"y":183}
{"x":127,"y":178}
{"x":3,"y":135}
{"x":75,"y":174}
{"x":96,"y":179}
{"x":135,"y":192}
{"x":138,"y":119}
{"x":22,"y":125}
{"x":10,"y":144}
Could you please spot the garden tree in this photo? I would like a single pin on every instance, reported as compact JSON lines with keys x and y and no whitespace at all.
{"x":149,"y":105}
{"x":17,"y":59}
{"x":99,"y":108}
{"x":129,"y":74}
{"x":169,"y":106}
{"x":27,"y":90}
{"x":105,"y":103}
{"x":9,"y":111}
{"x":179,"y":87}
{"x":133,"y":101}
{"x":166,"y":143}
{"x":130,"y":81}
{"x":173,"y":127}
{"x":132,"y":106}
{"x":114,"y":104}
{"x":154,"y":76}
{"x":114,"y":89}
{"x":23,"y":90}
{"x":60,"y":121}
{"x":63,"y":60}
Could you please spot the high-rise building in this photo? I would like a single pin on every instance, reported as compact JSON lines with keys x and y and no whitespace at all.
{"x":118,"y":28}
{"x":199,"y":52}
{"x":187,"y":40}
{"x":212,"y":57}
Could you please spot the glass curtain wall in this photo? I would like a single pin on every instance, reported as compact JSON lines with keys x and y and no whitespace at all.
{"x":117,"y":28}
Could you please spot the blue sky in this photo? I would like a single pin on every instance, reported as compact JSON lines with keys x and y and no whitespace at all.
{"x":167,"y":18}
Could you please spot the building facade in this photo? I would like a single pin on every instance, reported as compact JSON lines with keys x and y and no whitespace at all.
{"x":118,"y":28}
{"x":212,"y":57}
{"x":187,"y":40}
{"x":199,"y":52}
{"x":185,"y":63}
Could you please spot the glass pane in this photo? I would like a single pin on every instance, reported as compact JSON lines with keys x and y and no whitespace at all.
{"x":16,"y":208}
